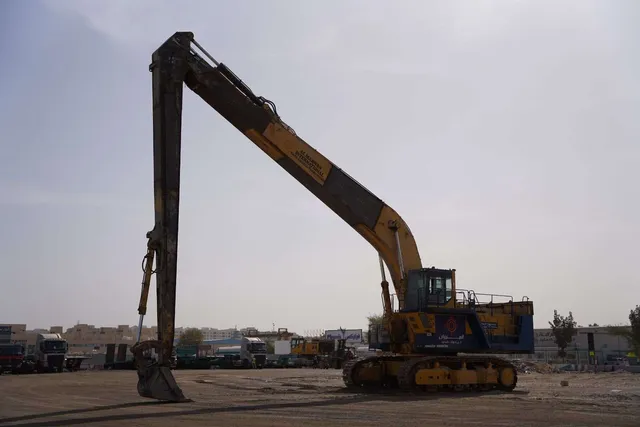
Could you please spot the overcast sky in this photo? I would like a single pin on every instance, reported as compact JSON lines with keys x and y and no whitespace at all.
{"x":505,"y":133}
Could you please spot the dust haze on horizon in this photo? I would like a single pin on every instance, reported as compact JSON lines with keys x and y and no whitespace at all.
{"x":504,"y":133}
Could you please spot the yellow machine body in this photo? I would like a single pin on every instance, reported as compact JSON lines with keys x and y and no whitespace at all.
{"x":437,"y":336}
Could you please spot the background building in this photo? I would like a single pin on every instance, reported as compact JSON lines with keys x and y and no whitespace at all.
{"x":606,"y":345}
{"x":82,"y":338}
{"x":210,"y":334}
{"x":88,"y":339}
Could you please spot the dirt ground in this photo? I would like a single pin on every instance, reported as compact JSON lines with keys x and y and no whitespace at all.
{"x":309,"y":397}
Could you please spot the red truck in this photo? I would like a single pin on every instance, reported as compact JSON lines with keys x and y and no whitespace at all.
{"x":12,"y":359}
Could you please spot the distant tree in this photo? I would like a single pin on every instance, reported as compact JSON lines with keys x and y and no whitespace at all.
{"x":563,"y":329}
{"x":190,"y":336}
{"x":593,"y":325}
{"x":375,"y":319}
{"x":630,"y":332}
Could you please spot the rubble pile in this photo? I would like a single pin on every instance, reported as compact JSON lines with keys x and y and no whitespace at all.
{"x":528,"y":366}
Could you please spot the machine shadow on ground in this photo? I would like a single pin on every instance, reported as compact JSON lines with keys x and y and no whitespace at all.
{"x":357,"y":397}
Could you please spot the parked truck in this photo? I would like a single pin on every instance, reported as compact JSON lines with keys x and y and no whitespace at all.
{"x":252,"y":352}
{"x":193,"y":357}
{"x":50,"y":352}
{"x":12,"y":359}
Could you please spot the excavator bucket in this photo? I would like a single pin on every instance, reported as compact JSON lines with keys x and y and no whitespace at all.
{"x":155,"y":381}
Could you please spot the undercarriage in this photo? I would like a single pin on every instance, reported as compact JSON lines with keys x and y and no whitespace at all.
{"x":430,"y":373}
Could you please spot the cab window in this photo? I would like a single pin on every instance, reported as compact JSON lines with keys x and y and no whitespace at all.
{"x":428,"y":287}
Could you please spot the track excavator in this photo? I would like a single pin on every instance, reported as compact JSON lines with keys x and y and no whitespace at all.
{"x":438,"y":336}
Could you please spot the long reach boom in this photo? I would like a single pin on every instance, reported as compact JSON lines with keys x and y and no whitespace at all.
{"x":175,"y":63}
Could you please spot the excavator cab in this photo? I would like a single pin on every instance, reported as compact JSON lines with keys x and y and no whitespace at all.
{"x":429,"y":287}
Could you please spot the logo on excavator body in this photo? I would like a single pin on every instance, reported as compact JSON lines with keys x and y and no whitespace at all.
{"x":451,"y":325}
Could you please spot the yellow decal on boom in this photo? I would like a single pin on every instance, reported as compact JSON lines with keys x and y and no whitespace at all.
{"x":305,"y":156}
{"x":264,"y":144}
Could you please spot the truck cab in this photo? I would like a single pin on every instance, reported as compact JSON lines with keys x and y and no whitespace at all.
{"x":12,"y":358}
{"x":254,"y":350}
{"x":251,"y":353}
{"x":50,"y":352}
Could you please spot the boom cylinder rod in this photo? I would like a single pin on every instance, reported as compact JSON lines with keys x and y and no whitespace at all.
{"x":147,"y":268}
{"x":205,"y":52}
{"x":386,"y":296}
{"x":139,"y":335}
{"x":400,"y":259}
{"x":382,"y":273}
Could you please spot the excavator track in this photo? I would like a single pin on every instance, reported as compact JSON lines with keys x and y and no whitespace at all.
{"x":351,"y":371}
{"x":347,"y":370}
{"x":455,"y":373}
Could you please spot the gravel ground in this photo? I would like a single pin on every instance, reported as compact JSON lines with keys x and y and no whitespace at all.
{"x":308,"y":397}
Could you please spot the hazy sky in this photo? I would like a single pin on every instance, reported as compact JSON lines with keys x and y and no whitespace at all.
{"x":505,"y":133}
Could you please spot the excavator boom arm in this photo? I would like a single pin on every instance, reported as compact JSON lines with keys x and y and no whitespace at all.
{"x":258,"y":120}
{"x":177,"y":62}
